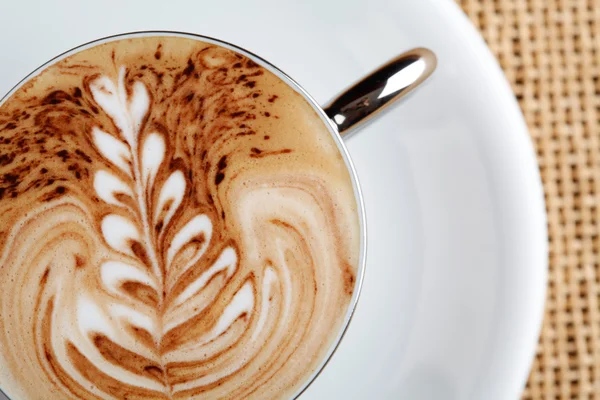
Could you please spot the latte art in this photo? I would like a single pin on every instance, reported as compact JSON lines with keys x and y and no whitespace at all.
{"x":175,"y":222}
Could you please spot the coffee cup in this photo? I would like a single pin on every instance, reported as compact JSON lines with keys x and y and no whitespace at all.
{"x":180,"y":219}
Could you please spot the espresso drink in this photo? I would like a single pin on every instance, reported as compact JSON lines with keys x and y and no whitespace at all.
{"x":175,"y":222}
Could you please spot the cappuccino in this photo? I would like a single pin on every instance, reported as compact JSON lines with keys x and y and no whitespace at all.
{"x":176,"y":222}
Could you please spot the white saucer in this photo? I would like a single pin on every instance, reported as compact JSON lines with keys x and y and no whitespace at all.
{"x":456,"y":272}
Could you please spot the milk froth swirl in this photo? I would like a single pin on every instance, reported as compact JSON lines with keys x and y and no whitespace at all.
{"x":175,"y":222}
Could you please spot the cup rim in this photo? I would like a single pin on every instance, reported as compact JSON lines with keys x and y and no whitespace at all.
{"x":316,"y":107}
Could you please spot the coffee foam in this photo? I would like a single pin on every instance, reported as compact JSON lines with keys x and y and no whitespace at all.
{"x":175,"y":222}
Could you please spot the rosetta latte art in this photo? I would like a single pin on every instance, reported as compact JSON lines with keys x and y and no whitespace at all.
{"x":175,"y":222}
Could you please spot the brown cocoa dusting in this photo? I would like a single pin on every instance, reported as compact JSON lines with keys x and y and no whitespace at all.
{"x":64,"y":154}
{"x":219,"y":178}
{"x":189,"y":69}
{"x":10,"y":178}
{"x":222,"y":163}
{"x":83,"y":155}
{"x":6,"y":159}
{"x":269,"y":153}
{"x":247,"y":133}
{"x":79,"y":261}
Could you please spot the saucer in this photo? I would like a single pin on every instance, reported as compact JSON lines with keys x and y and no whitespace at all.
{"x":453,"y":295}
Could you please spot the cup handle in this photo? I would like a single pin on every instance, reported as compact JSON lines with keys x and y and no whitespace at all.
{"x":371,"y":95}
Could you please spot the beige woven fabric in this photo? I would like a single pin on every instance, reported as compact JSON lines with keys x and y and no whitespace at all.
{"x":550,"y":52}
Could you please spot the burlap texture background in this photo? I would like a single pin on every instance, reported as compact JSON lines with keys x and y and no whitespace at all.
{"x":550,"y":52}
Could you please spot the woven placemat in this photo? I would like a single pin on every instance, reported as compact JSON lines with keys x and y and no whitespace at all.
{"x":550,"y":52}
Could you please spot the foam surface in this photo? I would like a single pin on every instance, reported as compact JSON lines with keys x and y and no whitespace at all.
{"x":175,"y":222}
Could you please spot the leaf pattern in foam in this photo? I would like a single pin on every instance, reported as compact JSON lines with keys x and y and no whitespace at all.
{"x":94,"y":320}
{"x":91,"y":316}
{"x":119,"y":233}
{"x":199,"y":226}
{"x":227,"y":262}
{"x":114,"y":273}
{"x":240,"y":304}
{"x":127,"y":114}
{"x":108,"y":186}
{"x":135,"y":317}
{"x":153,"y":153}
{"x":192,"y":295}
{"x":132,"y":236}
{"x":171,"y":196}
{"x":113,"y":150}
